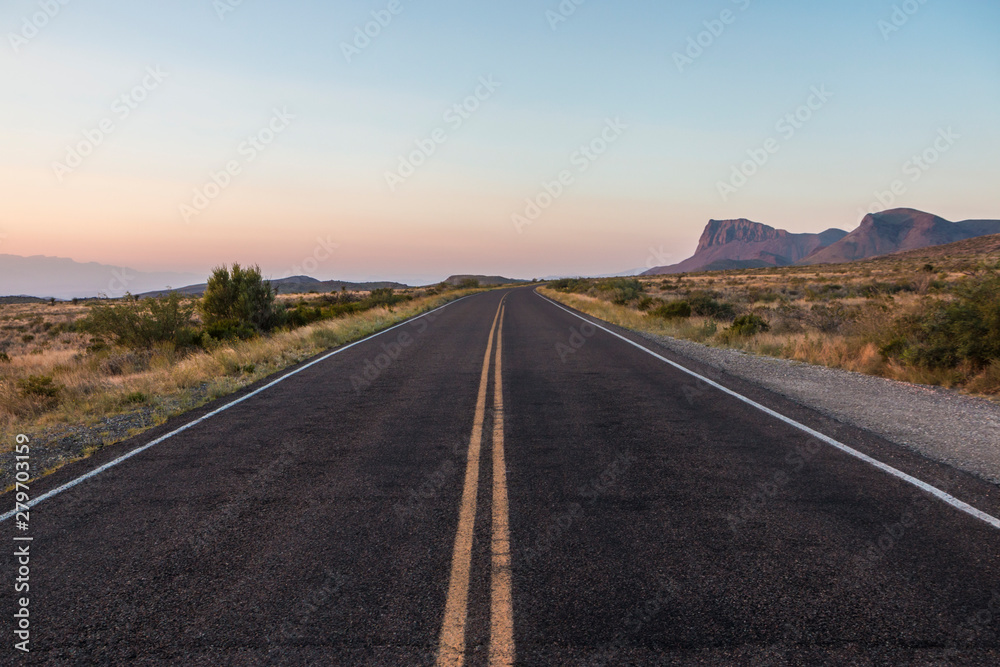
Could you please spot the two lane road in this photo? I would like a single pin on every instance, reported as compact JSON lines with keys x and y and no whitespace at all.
{"x":507,"y":483}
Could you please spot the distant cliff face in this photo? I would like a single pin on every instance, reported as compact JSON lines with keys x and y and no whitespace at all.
{"x":896,"y":230}
{"x":721,"y":232}
{"x":742,"y":243}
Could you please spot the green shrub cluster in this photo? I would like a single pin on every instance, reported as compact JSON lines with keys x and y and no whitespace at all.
{"x":39,"y":386}
{"x":706,"y":305}
{"x":240,"y":300}
{"x":748,"y":325}
{"x":143,"y":323}
{"x":621,"y":290}
{"x":945,"y":334}
{"x":572,"y":285}
{"x":673,"y":310}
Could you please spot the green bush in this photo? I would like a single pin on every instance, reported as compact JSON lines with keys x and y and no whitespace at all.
{"x":707,"y":306}
{"x":141,"y":323}
{"x":748,"y":325}
{"x":136,"y":397}
{"x":229,"y":330}
{"x":468,"y":283}
{"x":673,"y":310}
{"x":947,"y":333}
{"x":42,"y":386}
{"x":622,"y":290}
{"x":385,"y":296}
{"x":241,"y":295}
{"x":575,"y":285}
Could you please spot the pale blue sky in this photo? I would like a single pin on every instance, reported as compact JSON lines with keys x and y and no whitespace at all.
{"x":325,"y":175}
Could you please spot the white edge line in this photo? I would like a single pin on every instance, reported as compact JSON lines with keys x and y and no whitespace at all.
{"x":111,"y":464}
{"x":924,"y":486}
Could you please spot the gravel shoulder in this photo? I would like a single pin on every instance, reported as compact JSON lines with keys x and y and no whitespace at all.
{"x":941,"y":424}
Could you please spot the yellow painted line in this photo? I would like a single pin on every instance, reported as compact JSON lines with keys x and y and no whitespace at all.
{"x":451,"y":647}
{"x":501,"y":599}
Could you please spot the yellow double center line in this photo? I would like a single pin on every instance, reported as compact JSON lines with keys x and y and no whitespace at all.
{"x":451,"y":649}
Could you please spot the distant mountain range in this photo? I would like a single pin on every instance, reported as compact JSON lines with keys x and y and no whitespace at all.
{"x":41,"y":277}
{"x":291,"y":285}
{"x":900,"y":229}
{"x":62,"y":278}
{"x":742,"y":244}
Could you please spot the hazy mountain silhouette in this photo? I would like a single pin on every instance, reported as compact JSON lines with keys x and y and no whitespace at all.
{"x":743,"y":244}
{"x":896,"y":230}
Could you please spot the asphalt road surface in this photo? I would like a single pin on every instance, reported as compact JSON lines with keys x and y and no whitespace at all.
{"x":494,"y":485}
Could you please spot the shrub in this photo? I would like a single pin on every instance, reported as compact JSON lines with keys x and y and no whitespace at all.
{"x":706,"y":306}
{"x":141,"y":323}
{"x":229,"y":330}
{"x":947,"y":333}
{"x":4,"y":358}
{"x":748,"y":325}
{"x":468,"y":283}
{"x":673,"y":310}
{"x":241,"y":295}
{"x":385,"y":296}
{"x":135,"y":397}
{"x":42,"y":386}
{"x":622,"y":290}
{"x":575,"y":285}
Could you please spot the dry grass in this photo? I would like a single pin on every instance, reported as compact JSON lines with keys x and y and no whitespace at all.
{"x":830,"y":315}
{"x":91,"y":385}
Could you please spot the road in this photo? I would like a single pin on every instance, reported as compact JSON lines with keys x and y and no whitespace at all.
{"x":392,"y":504}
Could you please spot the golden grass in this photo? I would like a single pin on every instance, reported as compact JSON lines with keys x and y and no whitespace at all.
{"x":93,"y":386}
{"x":852,"y":351}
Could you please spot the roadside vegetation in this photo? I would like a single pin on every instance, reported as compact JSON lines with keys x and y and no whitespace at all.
{"x":930,"y":317}
{"x":64,"y":365}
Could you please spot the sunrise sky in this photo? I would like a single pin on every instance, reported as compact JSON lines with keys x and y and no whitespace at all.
{"x":886,"y":81}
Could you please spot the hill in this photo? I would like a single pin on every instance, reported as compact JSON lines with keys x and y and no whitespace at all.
{"x":898,"y":230}
{"x":744,"y":244}
{"x":63,"y":278}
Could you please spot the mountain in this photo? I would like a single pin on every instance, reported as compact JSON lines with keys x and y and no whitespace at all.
{"x":292,"y":285}
{"x":743,"y":244}
{"x":898,"y":230}
{"x":62,"y":278}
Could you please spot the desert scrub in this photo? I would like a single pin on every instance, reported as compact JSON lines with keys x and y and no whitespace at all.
{"x":672,"y":310}
{"x":946,"y":333}
{"x":748,"y":325}
{"x":74,"y":386}
{"x":143,"y":323}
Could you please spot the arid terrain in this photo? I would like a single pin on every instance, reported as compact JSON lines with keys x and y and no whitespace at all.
{"x":79,"y":391}
{"x":928,"y":316}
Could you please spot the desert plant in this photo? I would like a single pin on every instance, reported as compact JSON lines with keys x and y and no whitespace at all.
{"x":142,"y":323}
{"x":673,"y":310}
{"x":622,"y":290}
{"x":748,"y":325}
{"x":240,"y":295}
{"x":707,"y":306}
{"x":42,"y":386}
{"x":944,"y":334}
{"x":577,"y":285}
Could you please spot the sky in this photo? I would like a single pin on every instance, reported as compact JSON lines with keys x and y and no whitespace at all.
{"x":414,"y":139}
